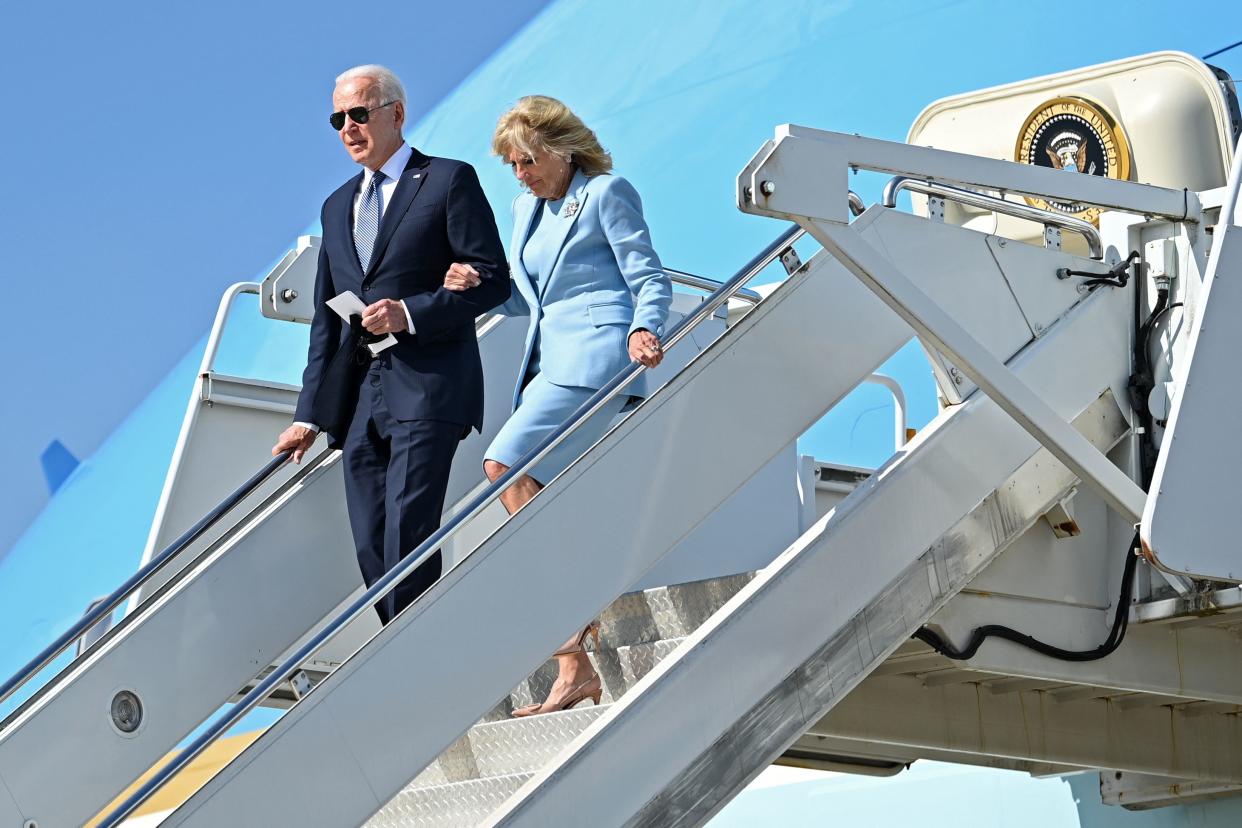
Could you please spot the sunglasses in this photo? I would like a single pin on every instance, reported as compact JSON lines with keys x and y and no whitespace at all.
{"x":358,"y":114}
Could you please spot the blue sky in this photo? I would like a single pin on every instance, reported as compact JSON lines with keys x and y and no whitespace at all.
{"x":156,"y":153}
{"x":159,"y":152}
{"x":173,"y":149}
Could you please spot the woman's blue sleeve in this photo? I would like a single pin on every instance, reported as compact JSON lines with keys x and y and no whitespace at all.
{"x":621,"y":214}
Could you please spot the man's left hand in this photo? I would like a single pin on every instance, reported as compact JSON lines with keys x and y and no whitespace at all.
{"x":384,"y":317}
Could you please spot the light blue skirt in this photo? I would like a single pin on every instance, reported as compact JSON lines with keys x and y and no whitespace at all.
{"x":542,"y":408}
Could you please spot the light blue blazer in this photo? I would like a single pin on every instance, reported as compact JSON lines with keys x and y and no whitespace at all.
{"x":607,"y":282}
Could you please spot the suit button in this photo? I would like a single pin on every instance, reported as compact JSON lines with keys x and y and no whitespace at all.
{"x":366,"y":288}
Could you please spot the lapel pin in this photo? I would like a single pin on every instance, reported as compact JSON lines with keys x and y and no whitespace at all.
{"x":571,"y":208}
{"x":416,"y":175}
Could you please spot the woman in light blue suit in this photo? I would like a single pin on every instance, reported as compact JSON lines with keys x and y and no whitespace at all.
{"x":585,"y":273}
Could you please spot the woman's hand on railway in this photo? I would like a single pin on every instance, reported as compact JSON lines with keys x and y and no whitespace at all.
{"x":644,"y":347}
{"x":461,"y":277}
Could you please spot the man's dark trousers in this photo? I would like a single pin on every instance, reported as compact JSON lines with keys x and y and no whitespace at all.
{"x":395,"y":478}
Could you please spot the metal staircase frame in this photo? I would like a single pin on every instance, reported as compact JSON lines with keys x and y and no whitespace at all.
{"x":363,"y":604}
{"x":775,"y":184}
{"x":695,"y":777}
{"x":863,"y":333}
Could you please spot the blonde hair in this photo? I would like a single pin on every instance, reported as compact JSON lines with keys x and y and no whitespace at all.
{"x":538,"y":124}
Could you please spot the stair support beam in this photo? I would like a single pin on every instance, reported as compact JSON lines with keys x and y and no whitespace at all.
{"x":1030,"y":726}
{"x":945,"y":334}
{"x":832,"y":614}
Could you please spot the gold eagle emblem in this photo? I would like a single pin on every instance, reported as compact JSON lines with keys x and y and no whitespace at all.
{"x":1079,"y":163}
{"x":1073,"y":135}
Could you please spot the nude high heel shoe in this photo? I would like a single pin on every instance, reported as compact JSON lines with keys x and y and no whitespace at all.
{"x":591,"y":688}
{"x":578,"y":644}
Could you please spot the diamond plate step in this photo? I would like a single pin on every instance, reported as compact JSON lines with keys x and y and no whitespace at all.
{"x":483,"y":769}
{"x":657,"y":618}
{"x":451,"y":805}
{"x":492,"y":760}
{"x":619,"y":669}
{"x":513,"y":746}
{"x":665,"y":612}
{"x":502,"y":745}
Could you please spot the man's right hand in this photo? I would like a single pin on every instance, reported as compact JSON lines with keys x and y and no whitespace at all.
{"x":461,"y":277}
{"x":297,"y":439}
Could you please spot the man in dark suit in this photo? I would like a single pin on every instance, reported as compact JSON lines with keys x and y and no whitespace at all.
{"x":389,"y":235}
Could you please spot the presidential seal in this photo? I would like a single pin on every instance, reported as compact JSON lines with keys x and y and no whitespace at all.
{"x":1075,"y":135}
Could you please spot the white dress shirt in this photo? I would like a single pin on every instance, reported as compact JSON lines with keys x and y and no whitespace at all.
{"x":392,"y":170}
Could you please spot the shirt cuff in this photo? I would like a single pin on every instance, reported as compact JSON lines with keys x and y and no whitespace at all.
{"x":311,"y":426}
{"x":409,"y":320}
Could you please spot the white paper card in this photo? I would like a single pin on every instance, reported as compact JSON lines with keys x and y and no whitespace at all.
{"x":346,"y":304}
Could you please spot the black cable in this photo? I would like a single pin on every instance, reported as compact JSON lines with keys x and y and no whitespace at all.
{"x":1222,"y":51}
{"x":1117,"y":276}
{"x":1121,"y":620}
{"x":1142,"y":381}
{"x":1155,"y":317}
{"x":1158,"y":313}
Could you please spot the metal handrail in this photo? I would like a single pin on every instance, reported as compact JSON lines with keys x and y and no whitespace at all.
{"x":172,"y":582}
{"x":206,"y":370}
{"x":899,"y":406}
{"x":217,"y":327}
{"x":681,"y":277}
{"x":857,"y":207}
{"x":1095,"y":243}
{"x":427,"y":548}
{"x":133,"y":583}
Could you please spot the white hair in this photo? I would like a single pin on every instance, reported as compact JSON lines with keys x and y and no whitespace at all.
{"x":388,"y":84}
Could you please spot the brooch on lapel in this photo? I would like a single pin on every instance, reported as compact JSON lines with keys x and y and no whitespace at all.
{"x":571,"y":208}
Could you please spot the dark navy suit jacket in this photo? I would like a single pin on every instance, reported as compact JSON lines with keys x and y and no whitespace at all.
{"x":438,"y":215}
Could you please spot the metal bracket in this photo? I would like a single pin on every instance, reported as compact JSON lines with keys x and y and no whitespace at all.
{"x":300,"y":684}
{"x":1061,"y":518}
{"x":789,"y":258}
{"x":1052,"y":237}
{"x":288,"y":291}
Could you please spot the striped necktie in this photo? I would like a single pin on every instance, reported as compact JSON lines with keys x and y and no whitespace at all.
{"x":366,"y":227}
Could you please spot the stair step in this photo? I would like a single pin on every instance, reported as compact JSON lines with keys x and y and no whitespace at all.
{"x":502,"y":745}
{"x":619,"y":669}
{"x":636,"y":631}
{"x":665,"y":612}
{"x":508,"y":747}
{"x":450,"y":805}
{"x":497,"y":755}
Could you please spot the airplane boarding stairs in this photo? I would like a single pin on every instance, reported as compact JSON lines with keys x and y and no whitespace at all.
{"x":931,"y":519}
{"x":710,"y":679}
{"x":477,"y":777}
{"x":228,"y":596}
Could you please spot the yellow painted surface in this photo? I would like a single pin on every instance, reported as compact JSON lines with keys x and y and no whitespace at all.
{"x":184,"y":784}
